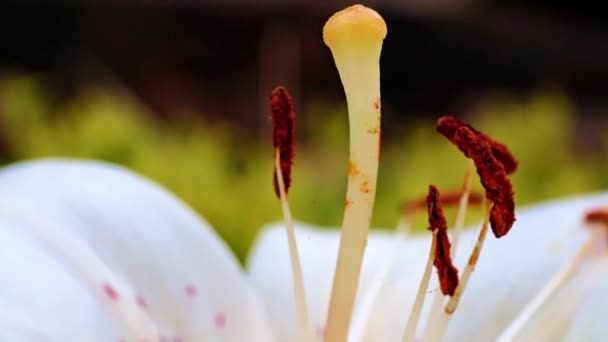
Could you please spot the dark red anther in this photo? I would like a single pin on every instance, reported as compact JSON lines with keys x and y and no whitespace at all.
{"x":283,"y":134}
{"x":597,"y":215}
{"x":447,"y":126}
{"x":447,"y":272}
{"x":493,"y":178}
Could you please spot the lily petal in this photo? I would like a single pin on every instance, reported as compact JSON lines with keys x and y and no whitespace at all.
{"x":509,"y":273}
{"x":513,"y":269}
{"x":588,"y":322}
{"x":40,"y":299}
{"x":270,"y":272}
{"x":180,"y":273}
{"x":573,"y":313}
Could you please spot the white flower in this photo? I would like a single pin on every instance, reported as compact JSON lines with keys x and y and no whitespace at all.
{"x":510,"y":272}
{"x":90,"y":252}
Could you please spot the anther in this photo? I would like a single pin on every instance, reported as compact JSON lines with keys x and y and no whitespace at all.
{"x":283,"y":132}
{"x":491,"y":171}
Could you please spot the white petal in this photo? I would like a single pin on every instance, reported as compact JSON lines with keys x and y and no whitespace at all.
{"x":576,"y":312}
{"x":588,"y":322}
{"x":270,"y":272}
{"x":510,"y":271}
{"x":181,"y":272}
{"x":514,"y":268}
{"x":40,"y":299}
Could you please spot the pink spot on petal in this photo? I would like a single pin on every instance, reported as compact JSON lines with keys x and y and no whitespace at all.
{"x":220,"y":320}
{"x":141,"y":301}
{"x":110,"y":292}
{"x":320,"y":331}
{"x":163,"y":338}
{"x":190,"y":290}
{"x":177,"y":339}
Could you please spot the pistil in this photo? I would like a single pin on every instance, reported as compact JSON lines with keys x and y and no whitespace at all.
{"x":355,"y":37}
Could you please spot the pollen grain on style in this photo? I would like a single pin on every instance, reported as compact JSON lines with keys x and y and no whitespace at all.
{"x":353,"y":169}
{"x":373,"y":130}
{"x":378,"y":105}
{"x":365,"y":186}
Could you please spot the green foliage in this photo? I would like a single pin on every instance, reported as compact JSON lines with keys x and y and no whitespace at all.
{"x":227,"y":177}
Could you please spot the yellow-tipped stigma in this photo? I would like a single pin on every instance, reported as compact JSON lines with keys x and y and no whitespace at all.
{"x":354,"y":24}
{"x":355,"y":37}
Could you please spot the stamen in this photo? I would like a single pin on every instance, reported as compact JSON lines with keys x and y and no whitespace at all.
{"x":468,"y":270}
{"x":283,"y":134}
{"x":448,"y":199}
{"x":447,"y":126}
{"x":492,"y":175}
{"x":466,"y":198}
{"x":436,"y":329}
{"x":597,"y":215}
{"x":354,"y":36}
{"x":414,"y":318}
{"x":448,"y":274}
{"x":493,"y":162}
{"x":440,"y":257}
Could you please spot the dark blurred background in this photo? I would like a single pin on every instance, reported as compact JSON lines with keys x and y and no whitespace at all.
{"x":177,"y":90}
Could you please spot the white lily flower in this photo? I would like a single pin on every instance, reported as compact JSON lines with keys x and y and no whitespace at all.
{"x":91,"y":252}
{"x":509,"y":274}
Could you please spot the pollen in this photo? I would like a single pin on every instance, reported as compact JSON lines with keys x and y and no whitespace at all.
{"x":447,"y":126}
{"x":353,"y":170}
{"x":597,"y":215}
{"x":283,"y":133}
{"x":448,"y":274}
{"x":365,"y":187}
{"x":491,"y":170}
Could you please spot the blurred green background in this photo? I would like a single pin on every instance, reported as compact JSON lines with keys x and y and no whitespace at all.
{"x":177,"y":91}
{"x":228,"y":180}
